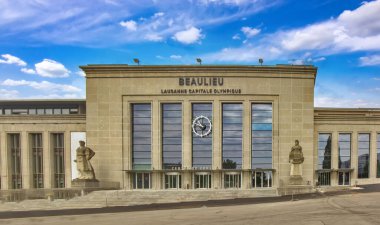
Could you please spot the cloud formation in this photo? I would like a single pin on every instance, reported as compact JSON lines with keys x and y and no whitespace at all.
{"x":372,"y":60}
{"x":10,"y":59}
{"x":189,"y":36}
{"x":112,"y":22}
{"x":250,"y":32}
{"x":352,"y":31}
{"x":48,"y":68}
{"x":8,"y":94}
{"x":43,"y":85}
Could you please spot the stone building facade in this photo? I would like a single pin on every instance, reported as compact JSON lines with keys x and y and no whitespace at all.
{"x":192,"y":127}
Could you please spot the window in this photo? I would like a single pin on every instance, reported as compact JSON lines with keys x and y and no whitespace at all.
{"x":32,"y":111}
{"x":37,"y":160}
{"x":261,"y":136}
{"x":324,"y":151}
{"x":172,"y":136}
{"x":141,"y":180}
{"x":232,"y":136}
{"x":172,"y":180}
{"x":202,"y":146}
{"x":324,"y":178}
{"x":344,"y":178}
{"x":48,"y":111}
{"x":14,"y":149}
{"x":141,"y":136}
{"x":363,"y":155}
{"x":40,"y":111}
{"x":59,"y":159}
{"x":262,"y":179}
{"x":344,"y":151}
{"x":202,"y":180}
{"x":232,"y":180}
{"x":378,"y":156}
{"x":57,"y":111}
{"x":65,"y":111}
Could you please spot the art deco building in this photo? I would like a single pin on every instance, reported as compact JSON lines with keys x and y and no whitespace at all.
{"x":189,"y":127}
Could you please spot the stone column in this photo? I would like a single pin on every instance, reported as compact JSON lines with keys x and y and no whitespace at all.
{"x":186,"y":144}
{"x":334,"y":157}
{"x":247,"y":139}
{"x":47,"y":160}
{"x":354,"y":158}
{"x":26,"y":169}
{"x":373,"y":156}
{"x":216,"y":143}
{"x":5,"y":181}
{"x":156,"y":145}
{"x":67,"y":155}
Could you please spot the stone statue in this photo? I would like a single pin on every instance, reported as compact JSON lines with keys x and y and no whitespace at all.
{"x":296,"y":159}
{"x":84,"y":167}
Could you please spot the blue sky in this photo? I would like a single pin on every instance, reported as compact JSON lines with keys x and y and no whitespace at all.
{"x":42,"y":42}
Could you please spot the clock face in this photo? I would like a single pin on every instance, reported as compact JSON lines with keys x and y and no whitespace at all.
{"x":202,"y":126}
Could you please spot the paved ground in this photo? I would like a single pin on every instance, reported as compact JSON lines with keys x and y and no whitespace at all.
{"x":346,"y":208}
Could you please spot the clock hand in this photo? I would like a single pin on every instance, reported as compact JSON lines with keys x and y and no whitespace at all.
{"x":199,"y":124}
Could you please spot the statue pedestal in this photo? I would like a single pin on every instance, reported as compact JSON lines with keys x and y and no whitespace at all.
{"x":85,"y":183}
{"x":295,"y":180}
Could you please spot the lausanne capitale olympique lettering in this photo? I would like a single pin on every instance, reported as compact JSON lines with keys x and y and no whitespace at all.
{"x":201,"y":82}
{"x":201,"y":91}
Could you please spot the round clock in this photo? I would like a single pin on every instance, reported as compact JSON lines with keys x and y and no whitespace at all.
{"x":202,"y":126}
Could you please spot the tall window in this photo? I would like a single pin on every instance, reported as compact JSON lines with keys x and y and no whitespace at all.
{"x":15,"y":152}
{"x":35,"y":141}
{"x":378,"y":156}
{"x":261,"y":136}
{"x":363,"y":155}
{"x":141,"y":180}
{"x":202,"y":145}
{"x":59,"y":159}
{"x":141,"y":137}
{"x":344,"y":151}
{"x":324,"y":151}
{"x":232,"y":136}
{"x":172,"y":180}
{"x":172,"y":136}
{"x":262,"y":179}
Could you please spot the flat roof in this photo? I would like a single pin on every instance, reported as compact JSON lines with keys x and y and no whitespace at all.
{"x":209,"y":68}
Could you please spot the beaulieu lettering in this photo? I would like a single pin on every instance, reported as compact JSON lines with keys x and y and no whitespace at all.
{"x":201,"y":81}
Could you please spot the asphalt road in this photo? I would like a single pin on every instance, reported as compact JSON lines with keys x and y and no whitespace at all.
{"x":353,"y":207}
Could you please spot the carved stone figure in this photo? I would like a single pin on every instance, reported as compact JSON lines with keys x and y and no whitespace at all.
{"x":84,"y":167}
{"x":296,"y":159}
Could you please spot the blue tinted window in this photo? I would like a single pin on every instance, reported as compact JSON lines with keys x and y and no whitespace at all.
{"x":262,"y":127}
{"x":141,"y":136}
{"x":324,"y":151}
{"x":171,"y":135}
{"x":202,"y":146}
{"x":232,"y":142}
{"x":363,"y":155}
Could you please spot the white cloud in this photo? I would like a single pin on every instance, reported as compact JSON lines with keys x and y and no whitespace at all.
{"x":153,"y":37}
{"x":250,"y":32}
{"x":334,"y":36}
{"x":8,"y":94}
{"x":236,"y":37}
{"x":28,"y":71}
{"x":158,"y":14}
{"x":66,"y":22}
{"x":373,"y":60}
{"x":175,"y":57}
{"x":81,"y":73}
{"x":51,"y":68}
{"x":188,"y":36}
{"x":43,"y":85}
{"x":130,"y":25}
{"x":10,"y":59}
